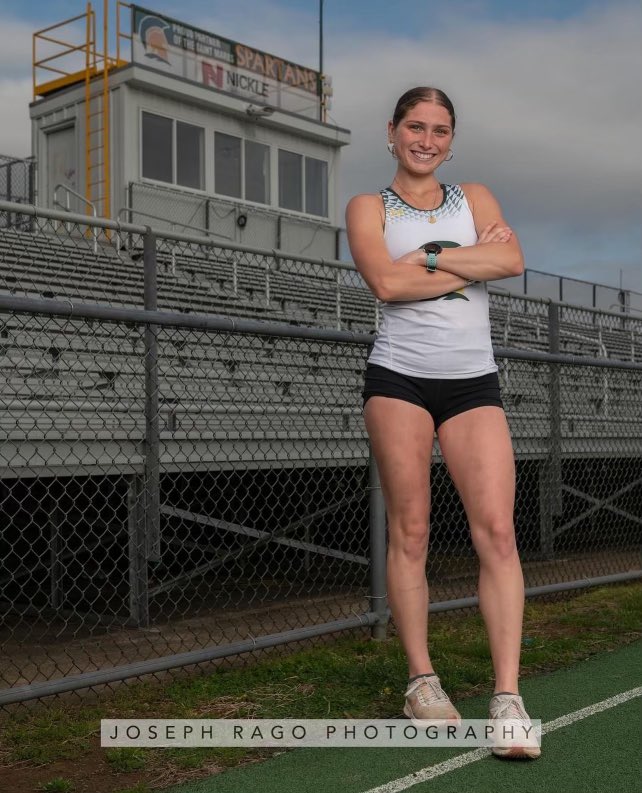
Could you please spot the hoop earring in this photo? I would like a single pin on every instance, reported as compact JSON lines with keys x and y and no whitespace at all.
{"x":391,"y":148}
{"x":452,"y":154}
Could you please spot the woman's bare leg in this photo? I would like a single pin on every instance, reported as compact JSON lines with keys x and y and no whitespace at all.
{"x":401,"y":436}
{"x":478,"y":451}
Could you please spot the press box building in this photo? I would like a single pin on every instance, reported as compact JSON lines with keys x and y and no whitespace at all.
{"x":185,"y":129}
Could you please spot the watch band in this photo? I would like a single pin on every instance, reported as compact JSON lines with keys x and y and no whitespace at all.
{"x":431,"y":262}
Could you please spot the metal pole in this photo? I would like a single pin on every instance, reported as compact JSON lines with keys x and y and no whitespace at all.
{"x":321,"y":100}
{"x":32,"y":187}
{"x":378,"y":597}
{"x":550,"y":472}
{"x":555,"y":410}
{"x":152,"y":432}
{"x":138,"y":577}
{"x":110,"y":674}
{"x":10,"y":222}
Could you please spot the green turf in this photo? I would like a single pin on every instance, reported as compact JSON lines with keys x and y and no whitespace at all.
{"x":599,"y":754}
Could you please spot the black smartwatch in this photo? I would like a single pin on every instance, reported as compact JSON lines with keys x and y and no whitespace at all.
{"x":431,"y":249}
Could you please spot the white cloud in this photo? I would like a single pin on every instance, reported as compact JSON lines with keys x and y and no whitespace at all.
{"x":15,"y":137}
{"x":15,"y":47}
{"x":550,"y":113}
{"x":548,"y":116}
{"x":15,"y":87}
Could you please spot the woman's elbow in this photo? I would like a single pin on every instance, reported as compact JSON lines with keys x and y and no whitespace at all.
{"x":381,"y":291}
{"x":517,"y":265}
{"x":376,"y":286}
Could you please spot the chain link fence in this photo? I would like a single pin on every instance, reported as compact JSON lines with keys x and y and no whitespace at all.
{"x":179,"y":487}
{"x":17,"y":184}
{"x":67,"y":256}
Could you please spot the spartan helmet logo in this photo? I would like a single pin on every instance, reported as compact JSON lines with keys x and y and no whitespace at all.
{"x":154,"y":39}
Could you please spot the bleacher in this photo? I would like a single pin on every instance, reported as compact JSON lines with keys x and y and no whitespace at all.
{"x":195,"y":279}
{"x":67,"y":381}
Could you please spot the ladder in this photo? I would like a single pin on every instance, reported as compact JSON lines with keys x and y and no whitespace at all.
{"x":97,"y":66}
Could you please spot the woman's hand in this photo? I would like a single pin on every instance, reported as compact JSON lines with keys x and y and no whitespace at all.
{"x":494,"y":233}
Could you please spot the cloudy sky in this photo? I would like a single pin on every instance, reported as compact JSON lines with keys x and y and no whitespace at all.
{"x":546,"y":93}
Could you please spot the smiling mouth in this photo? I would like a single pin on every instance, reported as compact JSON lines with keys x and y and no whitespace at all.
{"x":423,"y":156}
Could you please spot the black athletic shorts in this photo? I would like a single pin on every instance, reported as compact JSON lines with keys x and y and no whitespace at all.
{"x":442,"y":398}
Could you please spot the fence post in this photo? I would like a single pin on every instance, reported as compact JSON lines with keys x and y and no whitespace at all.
{"x":267,"y":277}
{"x":138,"y":577}
{"x":9,"y":196}
{"x":550,"y":491}
{"x":378,"y":597}
{"x":152,"y":433}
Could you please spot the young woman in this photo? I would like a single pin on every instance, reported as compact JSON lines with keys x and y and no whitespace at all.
{"x":426,"y":249}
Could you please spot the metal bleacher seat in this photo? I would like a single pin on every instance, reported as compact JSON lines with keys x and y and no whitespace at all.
{"x":102,"y":365}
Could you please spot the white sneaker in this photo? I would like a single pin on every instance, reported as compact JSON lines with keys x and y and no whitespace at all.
{"x":427,"y":702}
{"x":515,"y":735}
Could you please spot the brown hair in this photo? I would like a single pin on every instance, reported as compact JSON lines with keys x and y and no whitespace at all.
{"x":422,"y":94}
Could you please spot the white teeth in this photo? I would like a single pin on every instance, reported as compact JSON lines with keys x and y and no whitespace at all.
{"x":423,"y":156}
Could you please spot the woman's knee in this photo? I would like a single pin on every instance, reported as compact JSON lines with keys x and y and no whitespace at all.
{"x":408,"y":538}
{"x":495,"y":537}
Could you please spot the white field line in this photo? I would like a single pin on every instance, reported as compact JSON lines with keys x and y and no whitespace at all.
{"x":403,"y":783}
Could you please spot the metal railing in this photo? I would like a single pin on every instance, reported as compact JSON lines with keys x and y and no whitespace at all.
{"x":68,"y":192}
{"x":322,"y":287}
{"x":258,"y":225}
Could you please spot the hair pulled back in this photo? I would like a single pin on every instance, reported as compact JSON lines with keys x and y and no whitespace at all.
{"x":422,"y":94}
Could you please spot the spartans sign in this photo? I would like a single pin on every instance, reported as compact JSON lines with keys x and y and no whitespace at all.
{"x":223,"y":65}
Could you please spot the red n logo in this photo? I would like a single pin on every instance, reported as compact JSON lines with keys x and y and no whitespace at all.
{"x":212,"y":75}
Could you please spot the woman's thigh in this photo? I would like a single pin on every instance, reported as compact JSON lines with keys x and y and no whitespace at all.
{"x":478,"y":451}
{"x":401,"y":436}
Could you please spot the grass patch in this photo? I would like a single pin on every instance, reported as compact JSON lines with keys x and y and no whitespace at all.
{"x":57,"y":785}
{"x":351,"y":678}
{"x":141,"y":787}
{"x":126,"y":759}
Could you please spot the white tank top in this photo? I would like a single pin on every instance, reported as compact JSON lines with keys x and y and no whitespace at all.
{"x":447,"y":336}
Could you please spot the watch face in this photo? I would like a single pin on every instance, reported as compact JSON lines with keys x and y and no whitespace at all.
{"x":432,"y":247}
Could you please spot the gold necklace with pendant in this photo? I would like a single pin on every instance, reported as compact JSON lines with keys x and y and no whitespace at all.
{"x":431,"y":218}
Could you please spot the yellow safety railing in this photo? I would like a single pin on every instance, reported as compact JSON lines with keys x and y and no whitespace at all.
{"x":67,"y":63}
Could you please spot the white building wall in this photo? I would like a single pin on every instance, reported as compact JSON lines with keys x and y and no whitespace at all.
{"x":135,"y":90}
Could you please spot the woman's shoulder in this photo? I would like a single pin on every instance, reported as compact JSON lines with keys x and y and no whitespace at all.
{"x":365,"y":202}
{"x":475,"y":192}
{"x":366,"y":208}
{"x":365,"y":199}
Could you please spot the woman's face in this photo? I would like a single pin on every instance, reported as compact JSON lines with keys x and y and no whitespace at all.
{"x":422,"y":138}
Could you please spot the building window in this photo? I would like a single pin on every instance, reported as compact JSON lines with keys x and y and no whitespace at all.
{"x":316,"y":187}
{"x":157,"y":148}
{"x":257,"y":172}
{"x":241,"y":168}
{"x":290,"y":180}
{"x":298,"y":179}
{"x":189,"y":155}
{"x":172,"y":151}
{"x":227,"y":165}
